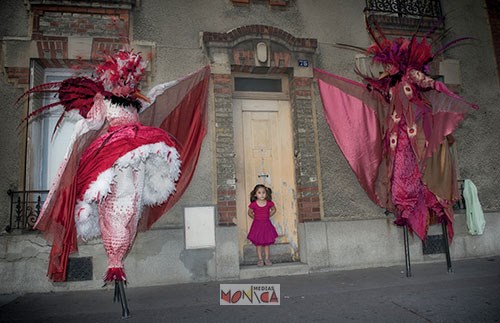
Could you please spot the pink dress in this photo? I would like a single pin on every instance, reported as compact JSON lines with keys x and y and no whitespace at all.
{"x":262,"y":231}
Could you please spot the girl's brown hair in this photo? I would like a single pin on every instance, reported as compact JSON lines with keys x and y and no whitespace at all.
{"x":254,"y":191}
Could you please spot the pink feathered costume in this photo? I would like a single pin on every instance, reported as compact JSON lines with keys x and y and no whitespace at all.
{"x":394,"y":132}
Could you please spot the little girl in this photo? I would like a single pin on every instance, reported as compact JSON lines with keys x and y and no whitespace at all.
{"x":262,"y":232}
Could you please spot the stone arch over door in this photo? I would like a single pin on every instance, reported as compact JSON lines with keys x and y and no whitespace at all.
{"x":236,"y":51}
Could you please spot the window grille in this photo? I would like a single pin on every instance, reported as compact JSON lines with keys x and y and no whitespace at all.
{"x":25,"y":207}
{"x":418,"y":8}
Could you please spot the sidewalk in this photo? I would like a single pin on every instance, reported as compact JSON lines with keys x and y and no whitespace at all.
{"x":470,"y":294}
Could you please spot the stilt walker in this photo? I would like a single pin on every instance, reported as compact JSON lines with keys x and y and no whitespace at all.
{"x":396,"y":132}
{"x":118,"y":175}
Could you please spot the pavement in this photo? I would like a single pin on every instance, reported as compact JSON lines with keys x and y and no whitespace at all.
{"x":471,"y":293}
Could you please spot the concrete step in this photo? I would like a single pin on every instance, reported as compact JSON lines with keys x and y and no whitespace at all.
{"x":280,"y":253}
{"x":280,"y":269}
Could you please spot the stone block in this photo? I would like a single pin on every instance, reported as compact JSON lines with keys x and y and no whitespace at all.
{"x":368,"y":243}
{"x":227,"y":252}
{"x":316,"y":245}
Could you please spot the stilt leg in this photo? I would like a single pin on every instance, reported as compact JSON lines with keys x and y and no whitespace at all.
{"x":447,"y":247}
{"x":407,"y":251}
{"x":116,"y":297}
{"x":120,"y":295}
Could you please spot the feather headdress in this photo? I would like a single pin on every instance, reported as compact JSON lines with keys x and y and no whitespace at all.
{"x":404,"y":54}
{"x":121,"y":74}
{"x":117,"y":77}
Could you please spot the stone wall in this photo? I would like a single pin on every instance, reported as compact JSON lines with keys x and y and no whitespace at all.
{"x":324,"y":246}
{"x":24,"y":261}
{"x":478,"y":148}
{"x":177,"y":51}
{"x":172,"y":36}
{"x":339,"y":245}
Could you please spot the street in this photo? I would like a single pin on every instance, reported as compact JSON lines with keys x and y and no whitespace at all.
{"x":470,"y":294}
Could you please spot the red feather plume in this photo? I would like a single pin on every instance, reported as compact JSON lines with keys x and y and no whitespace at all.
{"x":73,"y":93}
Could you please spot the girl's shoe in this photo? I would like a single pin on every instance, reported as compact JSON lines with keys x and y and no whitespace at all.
{"x":268,"y":262}
{"x":260,"y":263}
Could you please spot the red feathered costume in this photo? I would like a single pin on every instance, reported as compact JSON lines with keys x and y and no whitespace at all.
{"x":120,"y":175}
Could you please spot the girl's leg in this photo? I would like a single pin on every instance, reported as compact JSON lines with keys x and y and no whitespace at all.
{"x":259,"y":252}
{"x":266,"y":252}
{"x":260,"y":263}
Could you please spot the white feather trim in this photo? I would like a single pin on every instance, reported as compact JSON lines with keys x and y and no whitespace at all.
{"x":86,"y":216}
{"x":87,"y":221}
{"x":162,"y":170}
{"x":100,"y":188}
{"x":162,"y":167}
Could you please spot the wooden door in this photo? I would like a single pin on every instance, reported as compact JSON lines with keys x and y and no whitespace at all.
{"x":264,"y":155}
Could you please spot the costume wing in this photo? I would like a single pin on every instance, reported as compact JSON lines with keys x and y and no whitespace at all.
{"x":353,"y":114}
{"x":56,"y":218}
{"x":180,"y":108}
{"x":448,"y":110}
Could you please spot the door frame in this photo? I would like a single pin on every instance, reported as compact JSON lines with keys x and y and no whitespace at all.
{"x":238,"y":138}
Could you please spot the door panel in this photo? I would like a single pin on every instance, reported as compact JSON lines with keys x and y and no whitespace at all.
{"x":264,"y":155}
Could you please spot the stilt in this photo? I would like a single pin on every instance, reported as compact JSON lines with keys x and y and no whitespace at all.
{"x":120,"y":296}
{"x":446,"y":246}
{"x":407,"y":251}
{"x":116,"y":297}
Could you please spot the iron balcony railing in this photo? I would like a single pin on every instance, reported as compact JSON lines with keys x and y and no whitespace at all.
{"x":418,"y":8}
{"x":114,"y":4}
{"x":25,"y":207}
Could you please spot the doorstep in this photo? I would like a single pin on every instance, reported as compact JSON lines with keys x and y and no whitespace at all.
{"x":278,"y":269}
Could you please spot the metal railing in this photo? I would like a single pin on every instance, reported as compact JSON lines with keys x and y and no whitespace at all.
{"x":25,"y":207}
{"x":82,"y":3}
{"x":418,"y":8}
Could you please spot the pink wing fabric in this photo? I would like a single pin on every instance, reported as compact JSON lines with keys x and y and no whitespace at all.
{"x":57,"y":219}
{"x":448,"y":110}
{"x":355,"y":126}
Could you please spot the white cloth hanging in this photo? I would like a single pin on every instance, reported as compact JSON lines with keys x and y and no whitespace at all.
{"x":475,"y":216}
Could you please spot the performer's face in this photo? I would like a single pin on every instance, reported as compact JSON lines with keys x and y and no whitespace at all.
{"x":391,"y":69}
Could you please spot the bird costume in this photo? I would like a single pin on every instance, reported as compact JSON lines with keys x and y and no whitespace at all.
{"x":395,"y":131}
{"x":123,"y":169}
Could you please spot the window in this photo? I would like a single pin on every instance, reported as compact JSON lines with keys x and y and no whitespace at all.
{"x":257,"y":84}
{"x":252,"y":86}
{"x":46,"y":148}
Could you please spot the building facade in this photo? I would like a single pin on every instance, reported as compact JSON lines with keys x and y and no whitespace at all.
{"x":265,"y":125}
